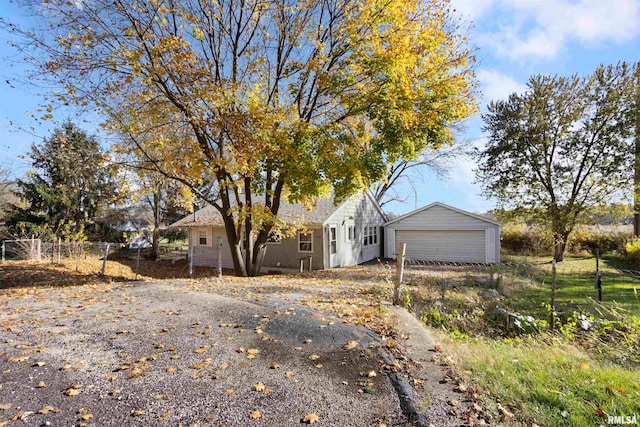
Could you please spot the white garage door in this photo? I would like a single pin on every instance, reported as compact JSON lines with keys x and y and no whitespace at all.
{"x":444,"y":245}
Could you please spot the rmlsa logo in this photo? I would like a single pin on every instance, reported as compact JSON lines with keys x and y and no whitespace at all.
{"x":622,"y":419}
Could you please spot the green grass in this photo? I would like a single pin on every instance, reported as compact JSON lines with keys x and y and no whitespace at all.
{"x":569,"y":377}
{"x":551,"y":384}
{"x":574,"y":286}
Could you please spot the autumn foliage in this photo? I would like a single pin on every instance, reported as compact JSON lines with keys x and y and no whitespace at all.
{"x":263,"y":99}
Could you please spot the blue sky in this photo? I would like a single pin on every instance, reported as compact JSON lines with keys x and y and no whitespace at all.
{"x":515,"y":39}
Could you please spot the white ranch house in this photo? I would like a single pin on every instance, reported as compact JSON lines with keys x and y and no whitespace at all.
{"x":354,"y":232}
{"x":336,"y":236}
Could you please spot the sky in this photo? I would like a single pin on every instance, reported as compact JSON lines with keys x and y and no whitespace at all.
{"x":514,"y":40}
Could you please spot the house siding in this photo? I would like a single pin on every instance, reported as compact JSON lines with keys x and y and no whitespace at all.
{"x":451,"y":222}
{"x":359,"y":212}
{"x":206,"y":255}
{"x":286,"y":254}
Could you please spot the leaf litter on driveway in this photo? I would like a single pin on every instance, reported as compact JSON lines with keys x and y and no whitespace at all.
{"x":129,"y":334}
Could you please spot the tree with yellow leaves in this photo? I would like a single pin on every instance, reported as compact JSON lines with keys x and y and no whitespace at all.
{"x":267,"y":99}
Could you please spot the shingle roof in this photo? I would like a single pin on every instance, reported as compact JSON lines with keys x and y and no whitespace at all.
{"x":288,"y":212}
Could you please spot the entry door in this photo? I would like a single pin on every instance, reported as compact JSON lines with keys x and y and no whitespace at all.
{"x":333,"y":246}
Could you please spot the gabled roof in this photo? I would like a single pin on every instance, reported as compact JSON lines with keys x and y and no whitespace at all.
{"x":424,"y":208}
{"x":288,"y":212}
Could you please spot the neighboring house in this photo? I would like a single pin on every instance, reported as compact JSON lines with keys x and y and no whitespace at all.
{"x":438,"y":232}
{"x":335,"y":236}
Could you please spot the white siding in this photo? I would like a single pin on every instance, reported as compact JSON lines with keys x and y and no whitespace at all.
{"x":444,"y":245}
{"x":360,"y":212}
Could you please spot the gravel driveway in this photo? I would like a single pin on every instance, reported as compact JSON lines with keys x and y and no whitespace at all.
{"x":148,"y":354}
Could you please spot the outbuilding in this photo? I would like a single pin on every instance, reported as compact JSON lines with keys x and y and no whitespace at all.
{"x":438,"y":232}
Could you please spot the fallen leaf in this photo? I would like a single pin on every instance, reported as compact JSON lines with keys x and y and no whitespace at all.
{"x":111,"y":377}
{"x":314,"y":357}
{"x":310,"y":418}
{"x":72,"y":392}
{"x":5,"y":406}
{"x":258,"y":387}
{"x":86,"y":417}
{"x":319,"y":366}
{"x":308,"y":341}
{"x":289,"y":374}
{"x":138,"y":412}
{"x":350,"y":345}
{"x":200,"y":350}
{"x":39,"y":364}
{"x":372,"y":374}
{"x":275,"y":366}
{"x":49,"y":408}
{"x":18,"y":359}
{"x":229,"y":391}
{"x":240,"y":350}
{"x":170,"y":369}
{"x":41,"y":384}
{"x":255,"y":415}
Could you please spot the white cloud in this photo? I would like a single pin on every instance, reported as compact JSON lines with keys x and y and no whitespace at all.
{"x":472,"y":8}
{"x":497,"y":85}
{"x":541,"y":29}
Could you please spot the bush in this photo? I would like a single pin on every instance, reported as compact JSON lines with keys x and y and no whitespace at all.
{"x":632,"y":250}
{"x":605,"y":238}
{"x":536,"y":240}
{"x":524,"y":239}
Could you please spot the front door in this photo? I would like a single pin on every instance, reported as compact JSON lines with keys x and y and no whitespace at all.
{"x":333,"y":246}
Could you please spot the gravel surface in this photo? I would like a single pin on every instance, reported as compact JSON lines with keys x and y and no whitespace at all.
{"x":147,"y":354}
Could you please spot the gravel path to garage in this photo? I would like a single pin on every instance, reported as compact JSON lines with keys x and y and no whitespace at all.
{"x":144,"y":354}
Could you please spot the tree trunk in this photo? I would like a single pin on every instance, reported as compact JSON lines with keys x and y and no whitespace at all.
{"x":155,"y":243}
{"x":636,"y":174}
{"x":560,"y":237}
{"x":558,"y":251}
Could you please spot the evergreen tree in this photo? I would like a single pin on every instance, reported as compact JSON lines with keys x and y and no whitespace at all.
{"x":71,"y":180}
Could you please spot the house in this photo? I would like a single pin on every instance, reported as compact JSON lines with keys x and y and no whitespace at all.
{"x":335,"y":236}
{"x":438,"y":232}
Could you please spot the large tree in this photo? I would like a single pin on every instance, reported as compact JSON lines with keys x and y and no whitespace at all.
{"x":561,"y":147}
{"x":70,"y":182}
{"x":403,"y":176}
{"x":268,"y":99}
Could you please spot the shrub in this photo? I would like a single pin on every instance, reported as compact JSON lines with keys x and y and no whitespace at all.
{"x":632,"y":250}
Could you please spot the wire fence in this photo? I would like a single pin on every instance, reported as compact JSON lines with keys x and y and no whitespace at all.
{"x":37,"y":250}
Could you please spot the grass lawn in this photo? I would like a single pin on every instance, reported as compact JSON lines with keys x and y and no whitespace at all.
{"x":550,"y":383}
{"x":568,"y":378}
{"x":574,"y":286}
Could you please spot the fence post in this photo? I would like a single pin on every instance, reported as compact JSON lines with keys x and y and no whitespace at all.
{"x":104,"y":260}
{"x":552,"y":319}
{"x":191,"y":261}
{"x":399,"y":272}
{"x":137,"y":264}
{"x":3,"y":251}
{"x":39,"y":250}
{"x":59,"y":248}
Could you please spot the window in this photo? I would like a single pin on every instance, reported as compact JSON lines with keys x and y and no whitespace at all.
{"x":274,"y":238}
{"x":370,"y":235}
{"x":333,"y":240}
{"x":351,"y":233}
{"x":305,"y":242}
{"x":202,"y":238}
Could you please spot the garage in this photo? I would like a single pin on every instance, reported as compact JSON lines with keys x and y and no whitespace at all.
{"x":438,"y":232}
